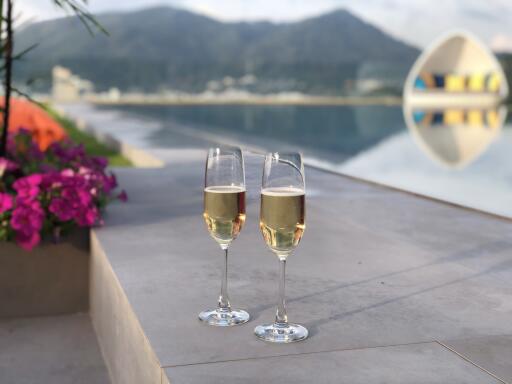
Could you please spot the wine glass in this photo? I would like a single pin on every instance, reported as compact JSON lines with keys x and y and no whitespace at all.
{"x":224,"y":214}
{"x":282,"y":214}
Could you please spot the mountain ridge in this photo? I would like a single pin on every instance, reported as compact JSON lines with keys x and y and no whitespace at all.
{"x":171,"y":48}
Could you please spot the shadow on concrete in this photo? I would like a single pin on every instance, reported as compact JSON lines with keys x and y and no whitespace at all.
{"x":313,"y":326}
{"x":480,"y":251}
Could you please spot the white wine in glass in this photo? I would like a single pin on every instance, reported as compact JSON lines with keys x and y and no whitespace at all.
{"x":224,"y":214}
{"x":282,"y":218}
{"x":282,"y":223}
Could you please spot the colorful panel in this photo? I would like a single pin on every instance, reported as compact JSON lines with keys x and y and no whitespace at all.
{"x":475,"y":117}
{"x":423,"y":117}
{"x":418,"y":116}
{"x":493,"y":82}
{"x":454,"y":117}
{"x":424,"y":81}
{"x":420,"y":84}
{"x":476,"y":82}
{"x":455,"y":83}
{"x":493,"y":118}
{"x":439,"y":81}
{"x":437,"y":118}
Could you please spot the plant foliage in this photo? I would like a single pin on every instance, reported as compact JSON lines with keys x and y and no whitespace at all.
{"x":7,"y":20}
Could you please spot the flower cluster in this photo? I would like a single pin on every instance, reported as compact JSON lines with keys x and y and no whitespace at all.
{"x":48,"y":193}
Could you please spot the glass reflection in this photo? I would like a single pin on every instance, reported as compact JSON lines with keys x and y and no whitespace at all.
{"x":454,"y":137}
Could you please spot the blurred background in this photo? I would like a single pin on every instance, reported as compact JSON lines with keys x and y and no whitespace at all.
{"x":325,"y":77}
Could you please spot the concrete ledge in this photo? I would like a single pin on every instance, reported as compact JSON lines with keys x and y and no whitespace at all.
{"x":126,"y":351}
{"x":391,"y":269}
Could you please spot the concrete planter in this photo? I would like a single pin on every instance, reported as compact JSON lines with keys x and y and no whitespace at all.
{"x":51,"y":279}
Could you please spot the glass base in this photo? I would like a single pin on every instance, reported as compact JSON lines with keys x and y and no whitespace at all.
{"x":224,"y":317}
{"x":281,"y":332}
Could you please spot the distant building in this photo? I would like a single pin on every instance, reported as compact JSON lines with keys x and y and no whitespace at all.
{"x":375,"y":76}
{"x":67,"y":87}
{"x":248,"y":79}
{"x":214,"y":86}
{"x":456,"y":69}
{"x":114,"y":94}
{"x":228,"y":81}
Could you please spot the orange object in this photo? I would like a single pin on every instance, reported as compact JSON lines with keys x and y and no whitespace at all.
{"x":27,"y":115}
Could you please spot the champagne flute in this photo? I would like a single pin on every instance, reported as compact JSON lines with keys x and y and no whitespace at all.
{"x":224,"y":214}
{"x":282,"y":214}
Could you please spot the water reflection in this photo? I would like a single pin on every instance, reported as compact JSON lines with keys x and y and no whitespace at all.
{"x":330,"y":133}
{"x":454,"y":137}
{"x":370,"y":142}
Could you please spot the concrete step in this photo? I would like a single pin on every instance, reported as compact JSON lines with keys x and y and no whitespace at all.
{"x":53,"y":350}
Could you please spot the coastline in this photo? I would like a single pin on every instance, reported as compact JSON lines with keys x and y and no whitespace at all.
{"x":252,"y":100}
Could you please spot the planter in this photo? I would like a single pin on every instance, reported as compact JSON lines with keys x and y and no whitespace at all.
{"x":51,"y":279}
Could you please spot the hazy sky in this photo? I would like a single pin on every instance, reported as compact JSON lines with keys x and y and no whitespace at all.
{"x":415,"y":21}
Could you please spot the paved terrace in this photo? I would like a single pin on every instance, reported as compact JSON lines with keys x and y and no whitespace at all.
{"x":394,"y":288}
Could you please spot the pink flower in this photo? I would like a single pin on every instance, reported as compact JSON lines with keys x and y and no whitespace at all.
{"x":27,"y":217}
{"x":28,"y":186}
{"x":27,"y":220}
{"x":67,"y":172}
{"x":28,"y":242}
{"x":78,"y":195}
{"x":109,"y":183}
{"x":7,"y":165}
{"x":84,"y":170}
{"x":6,"y":202}
{"x":99,"y":163}
{"x":75,"y":199}
{"x":88,"y":217}
{"x":62,"y":209}
{"x":60,"y":187}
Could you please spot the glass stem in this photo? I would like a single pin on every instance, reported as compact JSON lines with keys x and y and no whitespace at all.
{"x":281,"y":317}
{"x":224,"y":298}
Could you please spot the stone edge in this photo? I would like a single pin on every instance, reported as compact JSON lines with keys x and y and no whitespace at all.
{"x":126,"y":350}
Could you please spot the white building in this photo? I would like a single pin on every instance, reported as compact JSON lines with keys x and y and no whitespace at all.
{"x":67,"y":87}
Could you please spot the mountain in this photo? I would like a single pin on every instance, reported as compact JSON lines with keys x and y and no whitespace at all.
{"x":165,"y":47}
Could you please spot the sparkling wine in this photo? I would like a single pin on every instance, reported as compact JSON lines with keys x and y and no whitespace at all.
{"x":282,"y":218}
{"x":224,"y":212}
